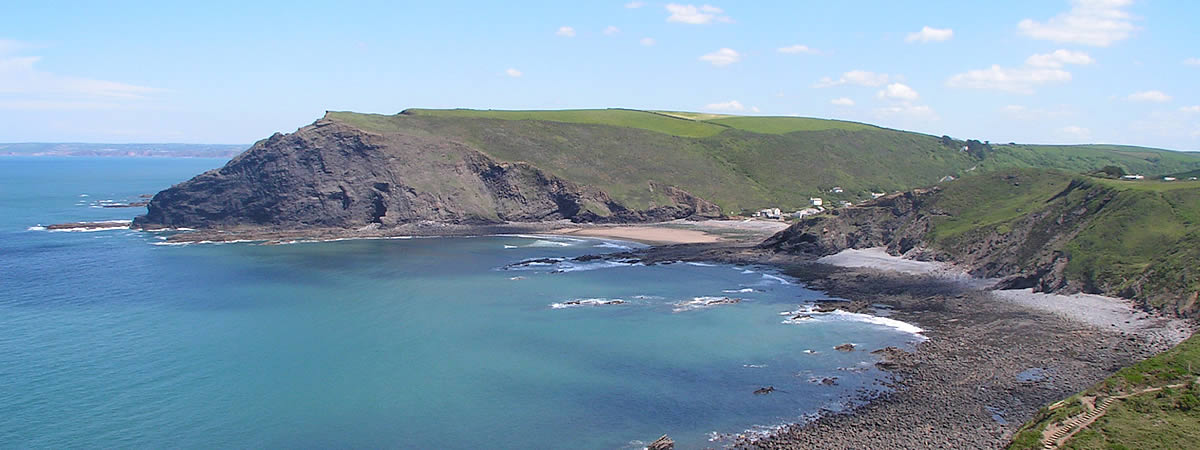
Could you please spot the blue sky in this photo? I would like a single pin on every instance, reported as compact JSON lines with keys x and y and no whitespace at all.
{"x":1081,"y":71}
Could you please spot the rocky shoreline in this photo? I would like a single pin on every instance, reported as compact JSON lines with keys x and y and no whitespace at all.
{"x":965,"y":387}
{"x":968,"y":386}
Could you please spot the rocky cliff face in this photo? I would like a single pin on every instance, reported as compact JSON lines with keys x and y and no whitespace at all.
{"x":897,"y":222}
{"x":1041,"y":248}
{"x":331,"y":175}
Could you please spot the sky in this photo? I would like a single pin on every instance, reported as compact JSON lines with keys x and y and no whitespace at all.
{"x":1041,"y":71}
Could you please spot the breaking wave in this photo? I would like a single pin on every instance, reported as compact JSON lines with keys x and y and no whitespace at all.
{"x":588,"y":302}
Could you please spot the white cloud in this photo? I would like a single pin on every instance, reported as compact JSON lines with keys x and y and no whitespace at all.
{"x":647,"y":41}
{"x":10,"y":46}
{"x":1149,"y":96}
{"x":1190,"y":109}
{"x":754,"y":109}
{"x":855,"y":77}
{"x":906,"y":111}
{"x":843,"y":101}
{"x":635,"y":5}
{"x":898,"y":91}
{"x":513,"y":72}
{"x":732,"y":105}
{"x":1192,"y":62}
{"x":1018,"y":80}
{"x":691,"y":14}
{"x":928,"y":34}
{"x":611,"y":30}
{"x":1075,"y":131}
{"x":722,"y":57}
{"x":1058,"y":58}
{"x":25,"y":87}
{"x":799,"y":49}
{"x":1089,"y":22}
{"x":565,"y":31}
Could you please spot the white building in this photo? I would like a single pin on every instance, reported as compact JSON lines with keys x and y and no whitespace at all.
{"x":816,"y":201}
{"x":1168,"y":178}
{"x":807,"y":212}
{"x":837,"y":190}
{"x":1133,"y":177}
{"x":769,"y":213}
{"x":877,"y":194}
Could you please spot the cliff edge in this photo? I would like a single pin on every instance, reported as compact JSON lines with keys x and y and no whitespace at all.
{"x":333,"y":175}
{"x":1046,"y":230}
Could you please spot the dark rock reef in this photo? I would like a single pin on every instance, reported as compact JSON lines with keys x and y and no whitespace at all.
{"x":332,"y":175}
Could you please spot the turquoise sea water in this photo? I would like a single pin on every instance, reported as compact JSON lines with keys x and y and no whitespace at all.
{"x":110,"y":340}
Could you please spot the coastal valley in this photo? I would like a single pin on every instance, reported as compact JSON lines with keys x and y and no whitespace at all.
{"x":1045,"y":219}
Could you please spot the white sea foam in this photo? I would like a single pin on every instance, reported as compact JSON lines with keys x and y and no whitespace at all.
{"x":568,"y":266}
{"x":883,"y":321}
{"x":588,"y":302}
{"x":739,"y":291}
{"x":767,"y":276}
{"x":700,"y":264}
{"x":754,"y":366}
{"x":703,"y":302}
{"x":607,"y":244}
{"x":748,"y":271}
{"x":548,"y":243}
{"x":809,"y":314}
{"x":83,"y":195}
{"x":107,"y":225}
{"x":37,"y":228}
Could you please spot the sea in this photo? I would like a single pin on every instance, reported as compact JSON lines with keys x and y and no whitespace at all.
{"x":115,"y":338}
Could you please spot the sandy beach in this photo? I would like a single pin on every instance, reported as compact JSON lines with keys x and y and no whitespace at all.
{"x":644,"y":234}
{"x":682,"y":231}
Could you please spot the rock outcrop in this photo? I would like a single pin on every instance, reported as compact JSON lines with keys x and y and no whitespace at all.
{"x":332,"y":175}
{"x":1034,"y":247}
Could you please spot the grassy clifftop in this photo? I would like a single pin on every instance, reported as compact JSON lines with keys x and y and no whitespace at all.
{"x":1147,"y":415}
{"x":738,"y":162}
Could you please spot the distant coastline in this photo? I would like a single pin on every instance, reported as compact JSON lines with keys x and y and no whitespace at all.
{"x":167,"y":150}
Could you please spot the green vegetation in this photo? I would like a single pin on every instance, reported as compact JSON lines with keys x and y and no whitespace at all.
{"x":1136,"y":239}
{"x":660,"y":123}
{"x":1168,"y":418}
{"x":739,"y":163}
{"x":784,"y":125}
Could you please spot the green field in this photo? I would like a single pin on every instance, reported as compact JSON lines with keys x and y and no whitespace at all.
{"x":645,"y":120}
{"x":740,"y":163}
{"x":1166,"y":419}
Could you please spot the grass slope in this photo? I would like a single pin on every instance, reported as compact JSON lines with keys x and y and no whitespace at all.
{"x":1167,"y":419}
{"x":1141,"y":239}
{"x":739,"y":163}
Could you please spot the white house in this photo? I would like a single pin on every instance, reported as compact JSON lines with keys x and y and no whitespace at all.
{"x":1133,"y":177}
{"x":1168,"y":178}
{"x":837,"y":190}
{"x":877,"y":194}
{"x":770,"y":213}
{"x":807,"y":212}
{"x":816,"y":201}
